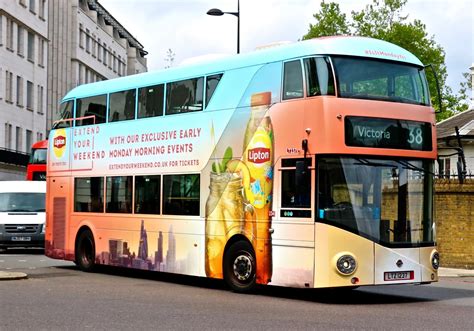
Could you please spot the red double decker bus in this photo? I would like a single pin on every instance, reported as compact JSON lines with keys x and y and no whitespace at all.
{"x":36,"y":169}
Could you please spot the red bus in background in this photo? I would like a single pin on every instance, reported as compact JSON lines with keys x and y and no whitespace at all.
{"x":36,"y":169}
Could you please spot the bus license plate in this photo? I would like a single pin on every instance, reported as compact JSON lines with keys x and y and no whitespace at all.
{"x":398,"y":275}
{"x":21,"y":238}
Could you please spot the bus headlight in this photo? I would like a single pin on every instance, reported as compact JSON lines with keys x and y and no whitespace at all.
{"x":435,"y":260}
{"x":346,"y":264}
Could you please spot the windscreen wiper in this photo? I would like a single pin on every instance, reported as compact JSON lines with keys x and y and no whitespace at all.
{"x":413,"y":167}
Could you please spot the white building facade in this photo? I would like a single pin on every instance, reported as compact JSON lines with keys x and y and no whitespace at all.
{"x":87,"y":45}
{"x":23,"y":81}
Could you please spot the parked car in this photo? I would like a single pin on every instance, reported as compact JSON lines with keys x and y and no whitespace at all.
{"x":22,"y":213}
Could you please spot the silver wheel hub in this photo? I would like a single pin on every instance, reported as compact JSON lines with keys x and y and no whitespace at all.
{"x":242,"y":267}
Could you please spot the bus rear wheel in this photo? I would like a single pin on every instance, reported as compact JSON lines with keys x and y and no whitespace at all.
{"x":85,"y":251}
{"x":239,"y":267}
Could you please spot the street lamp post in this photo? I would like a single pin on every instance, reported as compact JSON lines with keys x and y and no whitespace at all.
{"x":218,"y":12}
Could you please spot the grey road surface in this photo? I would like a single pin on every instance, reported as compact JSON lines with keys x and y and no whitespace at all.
{"x":57,"y":296}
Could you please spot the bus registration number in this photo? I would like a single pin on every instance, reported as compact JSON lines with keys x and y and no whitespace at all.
{"x":398,"y":275}
{"x":21,"y":238}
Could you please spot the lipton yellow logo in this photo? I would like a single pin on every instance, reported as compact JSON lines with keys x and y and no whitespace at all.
{"x":59,"y":143}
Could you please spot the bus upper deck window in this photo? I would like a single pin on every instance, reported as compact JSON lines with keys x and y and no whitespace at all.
{"x":65,"y":112}
{"x":211,"y":85}
{"x":184,"y":96}
{"x":319,"y":79}
{"x":150,"y":101}
{"x":292,"y":80}
{"x":122,"y":106}
{"x":92,"y":106}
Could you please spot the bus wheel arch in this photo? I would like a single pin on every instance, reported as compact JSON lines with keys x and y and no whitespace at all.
{"x":239,"y":264}
{"x":84,"y":249}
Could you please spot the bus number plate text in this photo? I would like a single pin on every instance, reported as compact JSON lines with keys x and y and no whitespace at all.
{"x":21,"y":238}
{"x":398,"y":275}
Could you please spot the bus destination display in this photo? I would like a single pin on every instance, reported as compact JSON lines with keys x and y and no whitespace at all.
{"x":387,"y":133}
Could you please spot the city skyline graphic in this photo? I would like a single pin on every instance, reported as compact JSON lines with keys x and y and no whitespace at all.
{"x":120,"y":253}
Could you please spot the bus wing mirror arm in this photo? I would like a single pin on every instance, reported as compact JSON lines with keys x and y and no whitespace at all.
{"x":440,"y":102}
{"x":302,"y":167}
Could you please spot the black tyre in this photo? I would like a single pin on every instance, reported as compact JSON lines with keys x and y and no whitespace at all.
{"x":239,"y":266}
{"x":85,"y":251}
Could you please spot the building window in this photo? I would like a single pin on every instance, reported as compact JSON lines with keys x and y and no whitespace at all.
{"x":181,"y":194}
{"x":19,"y":91}
{"x":81,"y":36}
{"x":119,"y":194}
{"x":122,"y":106}
{"x":1,"y":30}
{"x":8,"y":136}
{"x":10,"y":27}
{"x":150,"y":101}
{"x":23,"y":3}
{"x":93,"y":46}
{"x":184,"y":96}
{"x":8,"y":86}
{"x":29,"y":95}
{"x":33,"y":6}
{"x":31,"y":46}
{"x":20,"y":41}
{"x":147,"y":194}
{"x":115,"y":62}
{"x":99,"y":50}
{"x":88,"y":41}
{"x":41,"y":52}
{"x":42,"y":6}
{"x":89,"y":194}
{"x":40,"y":99}
{"x":18,"y":139}
{"x":104,"y":58}
{"x":29,"y":136}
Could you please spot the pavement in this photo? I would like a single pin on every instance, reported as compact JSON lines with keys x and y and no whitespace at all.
{"x":8,"y":275}
{"x":442,"y":272}
{"x":451,"y":272}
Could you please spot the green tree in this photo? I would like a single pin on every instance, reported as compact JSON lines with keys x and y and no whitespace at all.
{"x":383,"y":19}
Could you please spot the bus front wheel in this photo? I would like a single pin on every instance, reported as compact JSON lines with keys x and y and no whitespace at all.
{"x":85,"y":251}
{"x":239,"y":266}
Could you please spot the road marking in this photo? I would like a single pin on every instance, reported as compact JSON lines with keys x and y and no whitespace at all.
{"x":2,"y":260}
{"x":21,"y":260}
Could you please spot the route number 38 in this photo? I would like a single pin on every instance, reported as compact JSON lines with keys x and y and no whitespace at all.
{"x":415,"y":136}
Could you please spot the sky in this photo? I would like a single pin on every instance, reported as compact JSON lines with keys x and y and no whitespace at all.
{"x":184,"y":27}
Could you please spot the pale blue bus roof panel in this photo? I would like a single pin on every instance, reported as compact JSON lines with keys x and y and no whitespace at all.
{"x":340,"y":45}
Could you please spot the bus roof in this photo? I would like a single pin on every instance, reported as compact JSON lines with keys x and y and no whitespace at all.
{"x":337,"y":45}
{"x":40,"y":144}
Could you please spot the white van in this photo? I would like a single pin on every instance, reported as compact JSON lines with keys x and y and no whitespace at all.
{"x":22,"y":213}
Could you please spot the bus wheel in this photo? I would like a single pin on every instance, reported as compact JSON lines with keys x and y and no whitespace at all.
{"x":85,"y":251}
{"x":239,"y":266}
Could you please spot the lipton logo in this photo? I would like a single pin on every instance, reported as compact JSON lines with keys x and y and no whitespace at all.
{"x":59,"y":142}
{"x":259,"y":155}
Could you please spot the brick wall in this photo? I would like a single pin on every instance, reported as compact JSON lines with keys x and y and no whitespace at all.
{"x":454,"y":214}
